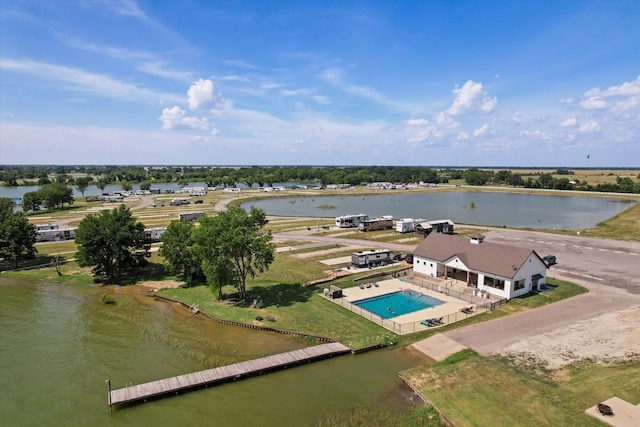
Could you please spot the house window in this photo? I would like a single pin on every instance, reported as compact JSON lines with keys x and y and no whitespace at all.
{"x":494,"y":283}
{"x":518,"y":284}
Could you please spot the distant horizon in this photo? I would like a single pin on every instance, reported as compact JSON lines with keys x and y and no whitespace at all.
{"x":142,"y":165}
{"x":351,"y":82}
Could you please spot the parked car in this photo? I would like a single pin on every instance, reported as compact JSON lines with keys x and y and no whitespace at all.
{"x":549,"y":260}
{"x":158,"y":204}
{"x":198,"y":202}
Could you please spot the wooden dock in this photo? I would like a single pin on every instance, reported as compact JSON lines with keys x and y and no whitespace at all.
{"x":235,"y":371}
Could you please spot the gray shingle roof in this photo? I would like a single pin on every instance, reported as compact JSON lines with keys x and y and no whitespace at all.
{"x":493,"y":258}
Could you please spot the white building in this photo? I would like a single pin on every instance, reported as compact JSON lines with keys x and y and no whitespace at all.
{"x":501,"y":270}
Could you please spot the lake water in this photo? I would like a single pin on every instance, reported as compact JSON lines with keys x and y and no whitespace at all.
{"x":59,"y":343}
{"x":516,"y":210}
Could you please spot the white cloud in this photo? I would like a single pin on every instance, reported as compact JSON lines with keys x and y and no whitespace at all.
{"x":625,"y":89}
{"x":462,"y":136}
{"x":593,"y":103}
{"x":539,"y":135}
{"x":158,"y":68}
{"x":321,"y":99}
{"x":176,"y":117}
{"x":470,"y":97}
{"x":590,"y":127}
{"x":489,"y":104}
{"x":83,"y":81}
{"x":572,"y":121}
{"x":481,"y":130}
{"x":423,"y":135}
{"x":234,"y":78}
{"x":200,"y":94}
{"x":221,"y":105}
{"x":416,"y":122}
{"x":294,"y":92}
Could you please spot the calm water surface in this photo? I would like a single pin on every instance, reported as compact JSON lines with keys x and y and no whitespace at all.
{"x":499,"y":209}
{"x":59,"y":343}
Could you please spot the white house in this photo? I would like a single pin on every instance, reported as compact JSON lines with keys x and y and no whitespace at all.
{"x":501,"y":270}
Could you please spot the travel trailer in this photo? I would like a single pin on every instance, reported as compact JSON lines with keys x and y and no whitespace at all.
{"x":190,"y":216}
{"x":372,"y":258}
{"x":55,"y":234}
{"x":348,"y":221}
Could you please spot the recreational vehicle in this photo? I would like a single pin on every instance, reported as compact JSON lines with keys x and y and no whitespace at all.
{"x":190,"y":216}
{"x":407,"y":225}
{"x":178,"y":201}
{"x":347,"y":221}
{"x":444,"y":226}
{"x":155,"y":233}
{"x":372,"y":258}
{"x":55,"y":234}
{"x":115,"y":198}
{"x":382,"y":223}
{"x":46,"y":227}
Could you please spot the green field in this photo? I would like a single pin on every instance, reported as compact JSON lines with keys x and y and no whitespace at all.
{"x":483,"y":391}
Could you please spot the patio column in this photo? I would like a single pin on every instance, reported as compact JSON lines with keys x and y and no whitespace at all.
{"x":468,"y":278}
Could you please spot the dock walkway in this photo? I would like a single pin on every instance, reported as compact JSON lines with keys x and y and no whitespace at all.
{"x":224,"y":373}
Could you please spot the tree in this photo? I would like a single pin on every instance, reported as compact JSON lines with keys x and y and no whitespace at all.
{"x":101,"y":184}
{"x":126,"y":186}
{"x":82,"y":183}
{"x":233,"y":245}
{"x":112,"y":242}
{"x":56,"y":195}
{"x":145,"y":185}
{"x":177,"y":251}
{"x":476,"y":176}
{"x":17,"y":235}
{"x":31,"y":201}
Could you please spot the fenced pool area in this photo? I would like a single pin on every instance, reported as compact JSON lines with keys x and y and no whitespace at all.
{"x":398,"y":303}
{"x":439,"y":301}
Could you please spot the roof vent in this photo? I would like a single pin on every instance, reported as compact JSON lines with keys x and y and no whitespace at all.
{"x":476,"y":239}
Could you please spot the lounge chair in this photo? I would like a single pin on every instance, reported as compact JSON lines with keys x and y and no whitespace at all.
{"x":467,"y":310}
{"x":426,"y":322}
{"x":436,"y":322}
{"x":361,"y":285}
{"x":375,"y":284}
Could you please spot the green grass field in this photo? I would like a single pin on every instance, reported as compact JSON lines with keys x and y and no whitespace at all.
{"x":482,"y":391}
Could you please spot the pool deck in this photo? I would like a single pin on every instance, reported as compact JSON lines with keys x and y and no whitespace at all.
{"x":451,"y":305}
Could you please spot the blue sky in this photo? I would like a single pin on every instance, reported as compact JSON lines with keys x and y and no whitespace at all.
{"x":429,"y":83}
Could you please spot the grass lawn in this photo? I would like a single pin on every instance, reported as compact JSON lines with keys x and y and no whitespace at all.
{"x":478,"y":391}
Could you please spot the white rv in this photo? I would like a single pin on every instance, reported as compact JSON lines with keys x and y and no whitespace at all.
{"x":155,"y":233}
{"x":55,"y":234}
{"x":348,"y":221}
{"x":372,"y":258}
{"x":407,"y":225}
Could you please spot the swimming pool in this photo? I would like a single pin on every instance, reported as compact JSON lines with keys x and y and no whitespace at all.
{"x":397,"y":303}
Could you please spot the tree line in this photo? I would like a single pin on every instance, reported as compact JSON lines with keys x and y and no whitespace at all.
{"x":125,"y":176}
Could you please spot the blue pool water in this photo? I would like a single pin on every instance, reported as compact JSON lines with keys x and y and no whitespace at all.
{"x":397,"y":303}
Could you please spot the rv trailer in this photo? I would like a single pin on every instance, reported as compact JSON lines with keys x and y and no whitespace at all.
{"x":372,"y":258}
{"x":348,"y":221}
